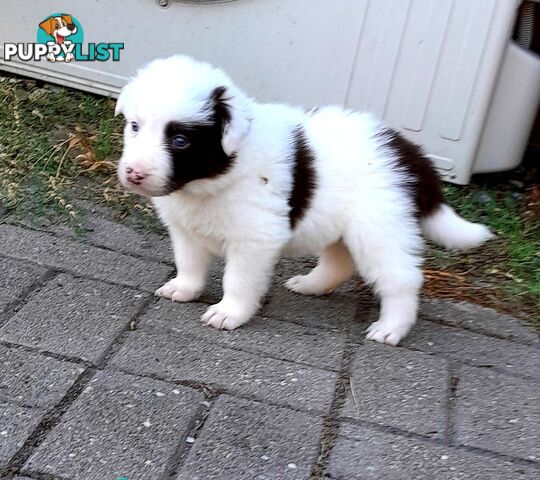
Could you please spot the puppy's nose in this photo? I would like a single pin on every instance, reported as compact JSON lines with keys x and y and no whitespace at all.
{"x":134,"y":176}
{"x":70,"y":27}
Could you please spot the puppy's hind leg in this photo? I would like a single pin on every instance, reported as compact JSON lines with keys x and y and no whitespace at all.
{"x":388,"y":261}
{"x":335,"y":266}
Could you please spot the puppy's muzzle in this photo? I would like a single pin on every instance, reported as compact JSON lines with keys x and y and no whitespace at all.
{"x":135,"y":177}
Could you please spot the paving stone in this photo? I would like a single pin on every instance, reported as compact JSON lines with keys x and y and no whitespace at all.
{"x":120,"y":426}
{"x":362,"y":452}
{"x":104,"y":233}
{"x":180,"y":358}
{"x":244,"y":440}
{"x":16,"y":425}
{"x":399,"y":388}
{"x":335,"y":311}
{"x":498,"y":412}
{"x":476,"y":349}
{"x":34,"y":380}
{"x":15,"y":278}
{"x":48,"y":250}
{"x":73,"y":317}
{"x":477,"y":318}
{"x":283,"y":340}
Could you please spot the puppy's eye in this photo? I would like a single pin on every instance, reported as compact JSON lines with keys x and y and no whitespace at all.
{"x":134,"y":127}
{"x":180,"y":141}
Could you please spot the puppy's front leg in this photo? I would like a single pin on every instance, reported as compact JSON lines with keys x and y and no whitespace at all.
{"x":247,"y":276}
{"x":192,"y":264}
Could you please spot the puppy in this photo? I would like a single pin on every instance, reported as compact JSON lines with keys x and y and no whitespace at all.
{"x":251,"y":182}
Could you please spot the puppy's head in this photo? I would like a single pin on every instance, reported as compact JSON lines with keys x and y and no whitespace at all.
{"x":185,"y":120}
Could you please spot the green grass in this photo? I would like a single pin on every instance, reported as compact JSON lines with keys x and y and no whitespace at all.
{"x":518,"y":236}
{"x":35,"y":130}
{"x":52,"y":142}
{"x":511,"y":262}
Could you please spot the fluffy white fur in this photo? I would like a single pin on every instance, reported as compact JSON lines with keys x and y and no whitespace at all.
{"x":360,"y":218}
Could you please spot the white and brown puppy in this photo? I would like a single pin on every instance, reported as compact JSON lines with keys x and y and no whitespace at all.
{"x":251,"y":182}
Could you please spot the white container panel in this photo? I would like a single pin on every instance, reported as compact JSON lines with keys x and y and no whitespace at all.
{"x":438,"y":88}
{"x":511,"y":114}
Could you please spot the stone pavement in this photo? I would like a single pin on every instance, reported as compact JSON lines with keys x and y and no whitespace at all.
{"x":100,"y":380}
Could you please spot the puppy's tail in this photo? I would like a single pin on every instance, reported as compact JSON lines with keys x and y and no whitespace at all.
{"x":446,"y":228}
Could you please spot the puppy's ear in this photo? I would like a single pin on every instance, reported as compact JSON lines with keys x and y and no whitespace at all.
{"x":67,"y":19}
{"x":123,"y":100}
{"x":49,"y":25}
{"x":231,"y":114}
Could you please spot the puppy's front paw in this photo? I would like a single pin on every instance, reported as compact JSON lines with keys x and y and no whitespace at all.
{"x":178,"y":290}
{"x":224,"y":317}
{"x":386,"y":332}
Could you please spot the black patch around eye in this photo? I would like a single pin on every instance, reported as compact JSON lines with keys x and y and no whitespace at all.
{"x":205,"y":157}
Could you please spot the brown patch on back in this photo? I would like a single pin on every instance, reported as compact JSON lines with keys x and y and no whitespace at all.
{"x":304,"y":180}
{"x":422,"y":179}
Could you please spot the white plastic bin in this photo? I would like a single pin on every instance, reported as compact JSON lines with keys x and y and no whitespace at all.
{"x":428,"y":67}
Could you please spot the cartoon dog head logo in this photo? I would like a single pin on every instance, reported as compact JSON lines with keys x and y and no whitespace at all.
{"x":63,"y":30}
